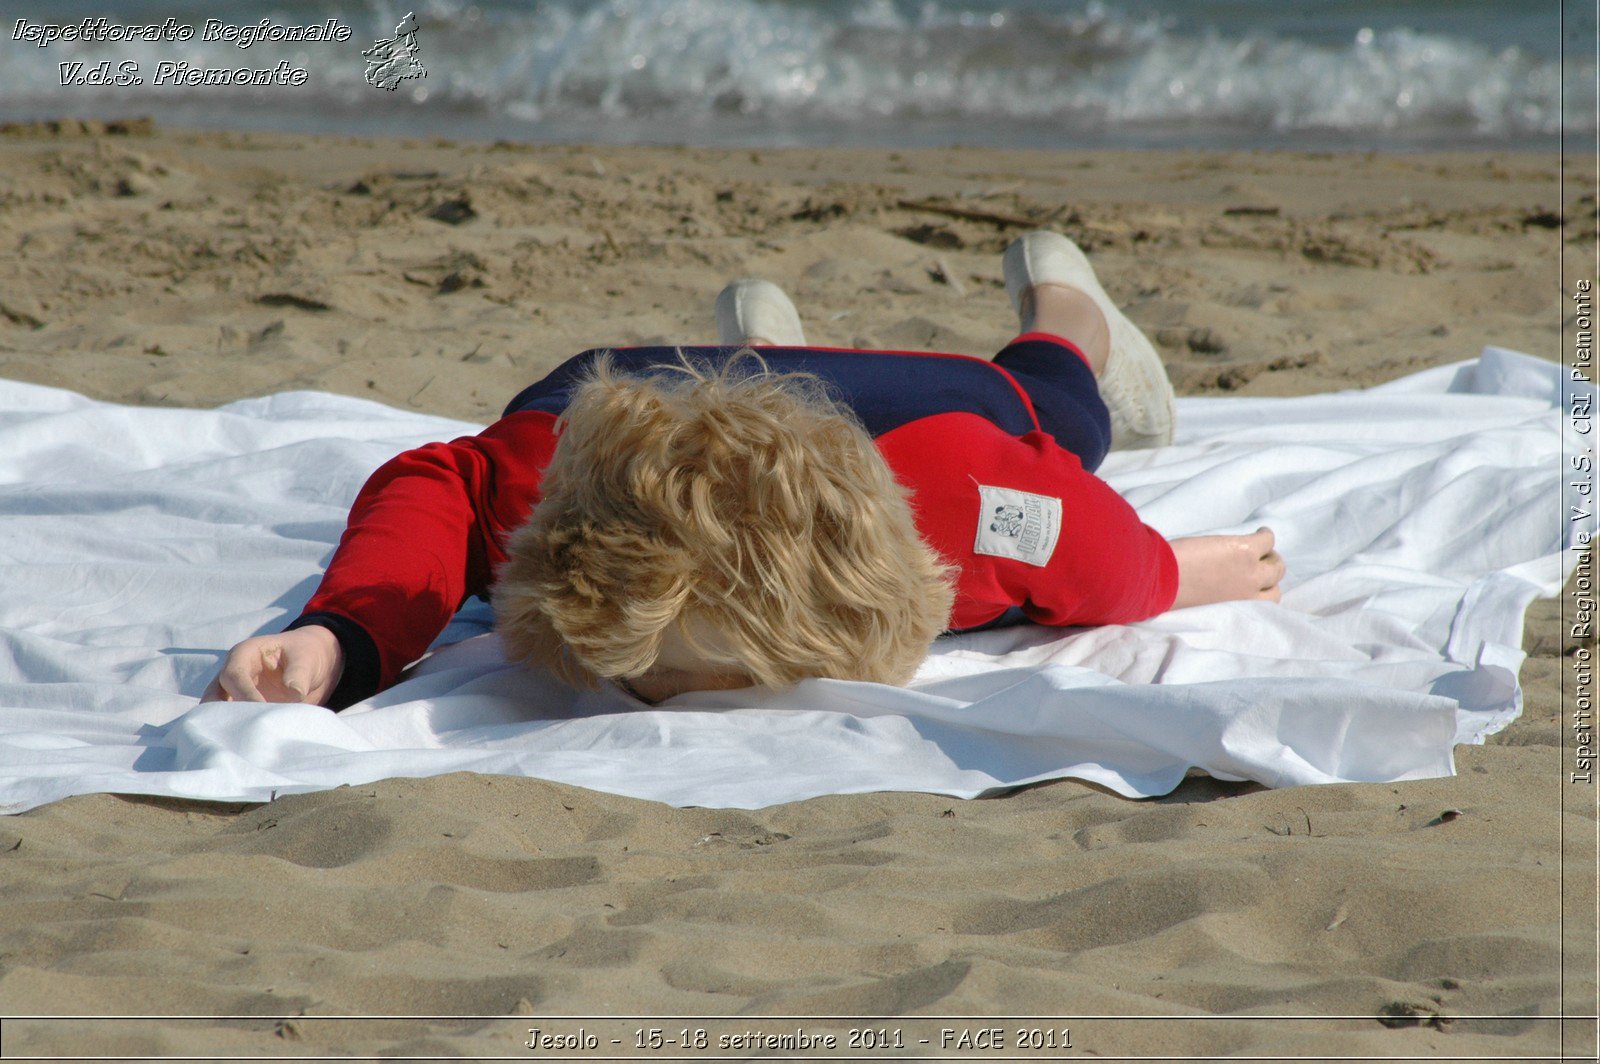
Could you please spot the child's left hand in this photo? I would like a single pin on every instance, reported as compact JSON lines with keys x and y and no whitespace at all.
{"x":1228,"y":568}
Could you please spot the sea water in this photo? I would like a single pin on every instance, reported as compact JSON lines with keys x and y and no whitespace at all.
{"x":1356,"y":74}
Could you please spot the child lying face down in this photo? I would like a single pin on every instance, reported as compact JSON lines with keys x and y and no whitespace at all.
{"x":679,"y":519}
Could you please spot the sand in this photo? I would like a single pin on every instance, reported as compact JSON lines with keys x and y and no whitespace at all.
{"x":172,"y":268}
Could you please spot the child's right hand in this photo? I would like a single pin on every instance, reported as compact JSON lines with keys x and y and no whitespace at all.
{"x":299,"y":666}
{"x":1225,"y":568}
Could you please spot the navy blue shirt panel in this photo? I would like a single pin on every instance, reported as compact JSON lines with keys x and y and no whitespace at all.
{"x":885,"y":390}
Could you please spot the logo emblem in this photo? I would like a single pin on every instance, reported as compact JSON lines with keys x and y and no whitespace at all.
{"x":394,"y":60}
{"x":1007,"y":521}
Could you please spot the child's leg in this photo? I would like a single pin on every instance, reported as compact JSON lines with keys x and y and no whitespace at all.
{"x":1045,"y":275}
{"x":1062,"y":399}
{"x":1061,"y":383}
{"x":1071,"y":314}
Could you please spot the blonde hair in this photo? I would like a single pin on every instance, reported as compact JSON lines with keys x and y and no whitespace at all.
{"x":738,"y":499}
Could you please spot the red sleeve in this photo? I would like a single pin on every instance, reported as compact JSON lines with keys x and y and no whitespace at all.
{"x":1028,"y":526}
{"x":428,"y":530}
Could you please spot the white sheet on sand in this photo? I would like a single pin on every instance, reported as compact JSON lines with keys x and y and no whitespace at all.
{"x":1419,"y":519}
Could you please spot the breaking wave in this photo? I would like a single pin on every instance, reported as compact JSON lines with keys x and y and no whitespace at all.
{"x":859,"y":71}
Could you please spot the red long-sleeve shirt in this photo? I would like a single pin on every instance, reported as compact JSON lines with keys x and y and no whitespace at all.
{"x":1017,"y":515}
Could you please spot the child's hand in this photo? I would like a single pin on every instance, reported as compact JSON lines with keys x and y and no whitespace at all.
{"x":299,"y":666}
{"x":1224,"y":568}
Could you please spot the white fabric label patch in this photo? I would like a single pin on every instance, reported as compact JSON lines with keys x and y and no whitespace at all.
{"x":1017,"y":524}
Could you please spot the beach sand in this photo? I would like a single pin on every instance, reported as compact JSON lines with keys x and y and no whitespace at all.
{"x":189,"y":269}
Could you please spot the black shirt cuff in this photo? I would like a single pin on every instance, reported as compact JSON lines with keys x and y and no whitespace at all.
{"x":362,"y":669}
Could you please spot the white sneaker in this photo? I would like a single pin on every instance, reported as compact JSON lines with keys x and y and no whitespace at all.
{"x":752,"y":308}
{"x":1134,"y":383}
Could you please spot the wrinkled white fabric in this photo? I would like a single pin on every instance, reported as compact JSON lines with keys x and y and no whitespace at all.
{"x":1418,"y":518}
